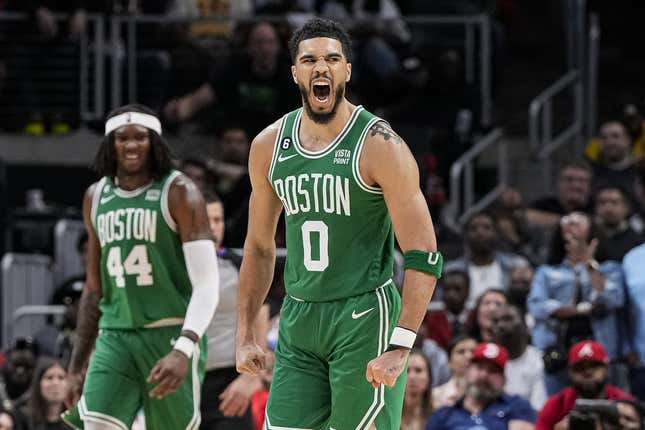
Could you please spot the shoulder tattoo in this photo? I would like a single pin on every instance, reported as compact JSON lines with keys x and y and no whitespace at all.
{"x":383,"y":129}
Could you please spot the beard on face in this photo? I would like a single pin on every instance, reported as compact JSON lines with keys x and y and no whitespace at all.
{"x":322,"y":117}
{"x":483,"y":394}
{"x":590,"y":389}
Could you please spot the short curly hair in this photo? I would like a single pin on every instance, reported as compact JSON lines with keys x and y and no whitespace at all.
{"x":319,"y":27}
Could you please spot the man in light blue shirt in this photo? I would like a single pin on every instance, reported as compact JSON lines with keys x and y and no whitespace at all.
{"x":634,"y":272}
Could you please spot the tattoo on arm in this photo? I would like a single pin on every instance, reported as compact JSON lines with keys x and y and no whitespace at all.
{"x":86,"y":330}
{"x":384,"y":130}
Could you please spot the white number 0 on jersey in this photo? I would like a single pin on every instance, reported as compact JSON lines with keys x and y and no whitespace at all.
{"x":136,"y":263}
{"x":322,"y":262}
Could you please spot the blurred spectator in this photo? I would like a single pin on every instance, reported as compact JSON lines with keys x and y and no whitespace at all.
{"x":516,"y":237}
{"x":259,"y":400}
{"x":256,"y":87}
{"x":46,"y":396}
{"x":437,"y":356}
{"x":460,"y":352}
{"x":436,"y":196}
{"x":525,"y":368}
{"x":57,"y":337}
{"x":232,"y":179}
{"x":574,"y":298}
{"x":442,"y":325}
{"x":417,"y":402}
{"x":7,"y":420}
{"x":613,"y":207}
{"x":198,"y":172}
{"x":615,"y":164}
{"x":518,"y":292}
{"x":573,"y":194}
{"x":487,"y":266}
{"x":589,"y":375}
{"x":17,"y":372}
{"x":633,"y":120}
{"x":634,"y":271}
{"x":226,"y":395}
{"x":485,"y":404}
{"x":481,"y":325}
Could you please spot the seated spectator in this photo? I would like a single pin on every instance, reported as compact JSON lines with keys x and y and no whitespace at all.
{"x":7,"y":420}
{"x":16,"y":373}
{"x":613,"y":207}
{"x":633,"y":119}
{"x":481,"y":324}
{"x":460,"y":352}
{"x":46,"y":396}
{"x":256,"y":86}
{"x":575,"y":298}
{"x":487,"y":266}
{"x":485,"y":404}
{"x":525,"y":368}
{"x":443,"y":324}
{"x":589,"y":373}
{"x":634,"y":272}
{"x":232,"y":182}
{"x":518,"y":292}
{"x":515,"y":237}
{"x":434,"y":190}
{"x":615,"y":164}
{"x":573,"y":194}
{"x":417,"y":402}
{"x":197,"y":170}
{"x":437,"y":356}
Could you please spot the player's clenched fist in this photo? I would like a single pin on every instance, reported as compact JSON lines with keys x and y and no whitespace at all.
{"x":385,"y":368}
{"x":250,"y":358}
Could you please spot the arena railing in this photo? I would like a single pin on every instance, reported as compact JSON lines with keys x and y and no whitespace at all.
{"x":462,"y":179}
{"x":54,"y":80}
{"x":580,"y":84}
{"x":477,"y":68}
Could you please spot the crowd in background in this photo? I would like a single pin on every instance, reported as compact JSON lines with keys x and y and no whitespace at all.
{"x":541,"y":302}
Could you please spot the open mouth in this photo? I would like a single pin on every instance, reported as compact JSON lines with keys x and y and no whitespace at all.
{"x":321,"y":91}
{"x":131,"y":156}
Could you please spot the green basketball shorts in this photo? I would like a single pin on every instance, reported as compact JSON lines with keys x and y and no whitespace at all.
{"x":115,"y":387}
{"x":321,"y":360}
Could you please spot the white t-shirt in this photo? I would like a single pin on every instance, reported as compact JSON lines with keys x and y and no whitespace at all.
{"x":482,"y":278}
{"x":525,"y":377}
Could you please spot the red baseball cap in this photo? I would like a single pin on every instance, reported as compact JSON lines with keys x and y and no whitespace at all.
{"x":492,"y":352}
{"x":588,"y":350}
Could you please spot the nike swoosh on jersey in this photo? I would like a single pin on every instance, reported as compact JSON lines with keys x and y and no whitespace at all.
{"x":356,"y":316}
{"x":107,"y":199}
{"x":281,"y":158}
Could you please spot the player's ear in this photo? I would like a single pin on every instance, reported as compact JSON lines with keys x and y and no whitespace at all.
{"x":293,"y":73}
{"x":349,"y":72}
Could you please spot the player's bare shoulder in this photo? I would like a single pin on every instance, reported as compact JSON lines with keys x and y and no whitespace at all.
{"x":384,"y":147}
{"x":382,"y":133}
{"x":262,"y":149}
{"x":183,"y":192}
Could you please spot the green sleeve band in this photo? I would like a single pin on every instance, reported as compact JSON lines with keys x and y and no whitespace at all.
{"x":428,"y":262}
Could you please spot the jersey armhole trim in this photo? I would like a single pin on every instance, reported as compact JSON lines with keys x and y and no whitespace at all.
{"x":357,"y":157}
{"x":165,"y":210}
{"x":95,"y":200}
{"x":276,"y":150}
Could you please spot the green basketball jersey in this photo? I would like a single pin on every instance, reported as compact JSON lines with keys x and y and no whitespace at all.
{"x":340,"y":241}
{"x":142,"y":269}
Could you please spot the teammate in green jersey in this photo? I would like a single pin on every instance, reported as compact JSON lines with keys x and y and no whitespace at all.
{"x":346,"y":183}
{"x":152,"y":286}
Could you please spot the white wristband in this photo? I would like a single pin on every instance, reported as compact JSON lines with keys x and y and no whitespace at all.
{"x":403,"y":337}
{"x":185,"y":346}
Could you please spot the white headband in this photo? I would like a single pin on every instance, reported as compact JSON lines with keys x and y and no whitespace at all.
{"x":133,"y":118}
